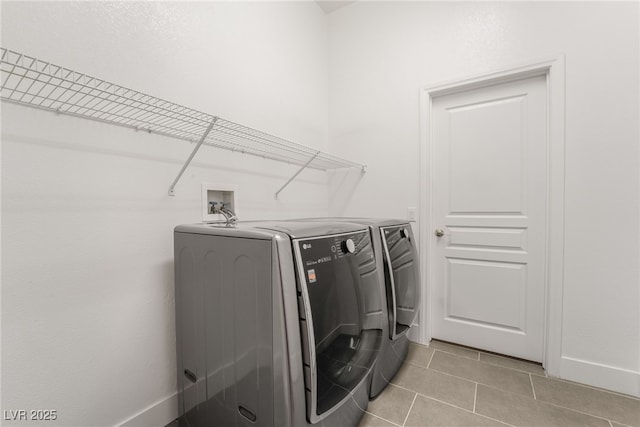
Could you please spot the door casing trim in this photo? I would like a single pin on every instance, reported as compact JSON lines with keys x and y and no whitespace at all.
{"x":554,"y":70}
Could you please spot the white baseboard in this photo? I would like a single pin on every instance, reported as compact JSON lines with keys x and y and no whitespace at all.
{"x":602,"y":376}
{"x":158,"y":414}
{"x":594,"y":374}
{"x":414,"y":334}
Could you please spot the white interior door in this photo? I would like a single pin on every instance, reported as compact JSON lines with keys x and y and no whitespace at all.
{"x":489,"y":203}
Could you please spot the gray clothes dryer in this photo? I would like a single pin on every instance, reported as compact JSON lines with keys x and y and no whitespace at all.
{"x":402,"y":285}
{"x":277,"y":323}
{"x":398,"y":268}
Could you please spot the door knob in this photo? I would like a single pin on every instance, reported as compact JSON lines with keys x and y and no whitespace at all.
{"x":439,"y":232}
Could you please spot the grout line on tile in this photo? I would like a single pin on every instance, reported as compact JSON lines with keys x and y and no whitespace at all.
{"x":445,"y":402}
{"x":619,"y":423}
{"x":442,"y":350}
{"x":532,"y":387}
{"x":513,"y":369}
{"x":545,"y":402}
{"x":543,"y":374}
{"x":462,"y":409}
{"x":383,"y":419}
{"x":475,"y":397}
{"x":414,"y":364}
{"x":495,"y":420}
{"x":450,"y":344}
{"x":410,"y":408}
{"x":437,"y":400}
{"x":471,"y":381}
{"x":431,"y":358}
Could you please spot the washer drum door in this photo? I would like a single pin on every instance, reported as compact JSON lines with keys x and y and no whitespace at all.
{"x":401,"y":272}
{"x":341,"y":317}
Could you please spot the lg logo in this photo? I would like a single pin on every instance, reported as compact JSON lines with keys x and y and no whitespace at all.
{"x":306,"y":246}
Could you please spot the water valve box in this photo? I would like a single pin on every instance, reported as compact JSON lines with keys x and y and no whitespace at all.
{"x":215,"y":196}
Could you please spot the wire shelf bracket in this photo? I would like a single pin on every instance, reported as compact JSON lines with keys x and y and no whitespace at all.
{"x":296,"y":174}
{"x":172,"y":187}
{"x":29,"y":81}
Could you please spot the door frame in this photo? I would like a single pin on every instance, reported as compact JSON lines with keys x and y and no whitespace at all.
{"x":554,"y":71}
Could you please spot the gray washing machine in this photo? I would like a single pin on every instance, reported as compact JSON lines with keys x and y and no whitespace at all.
{"x":277,"y":323}
{"x":398,"y":267}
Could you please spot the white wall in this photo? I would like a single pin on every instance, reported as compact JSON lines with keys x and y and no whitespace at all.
{"x":382,"y":53}
{"x":87,"y":245}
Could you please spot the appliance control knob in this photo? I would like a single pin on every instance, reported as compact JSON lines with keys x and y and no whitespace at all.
{"x":404,"y":233}
{"x":348,"y":246}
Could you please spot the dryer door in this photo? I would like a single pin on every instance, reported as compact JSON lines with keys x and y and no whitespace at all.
{"x":338,"y":298}
{"x":401,"y":276}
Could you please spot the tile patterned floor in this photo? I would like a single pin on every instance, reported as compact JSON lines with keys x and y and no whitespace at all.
{"x":448,"y":385}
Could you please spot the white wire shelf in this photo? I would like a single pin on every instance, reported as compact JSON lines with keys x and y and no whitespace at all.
{"x":36,"y":83}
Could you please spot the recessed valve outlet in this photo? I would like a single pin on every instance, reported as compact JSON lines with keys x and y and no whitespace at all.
{"x":219,"y":202}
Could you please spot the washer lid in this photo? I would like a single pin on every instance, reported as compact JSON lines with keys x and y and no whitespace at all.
{"x":302,"y":229}
{"x":380,"y":222}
